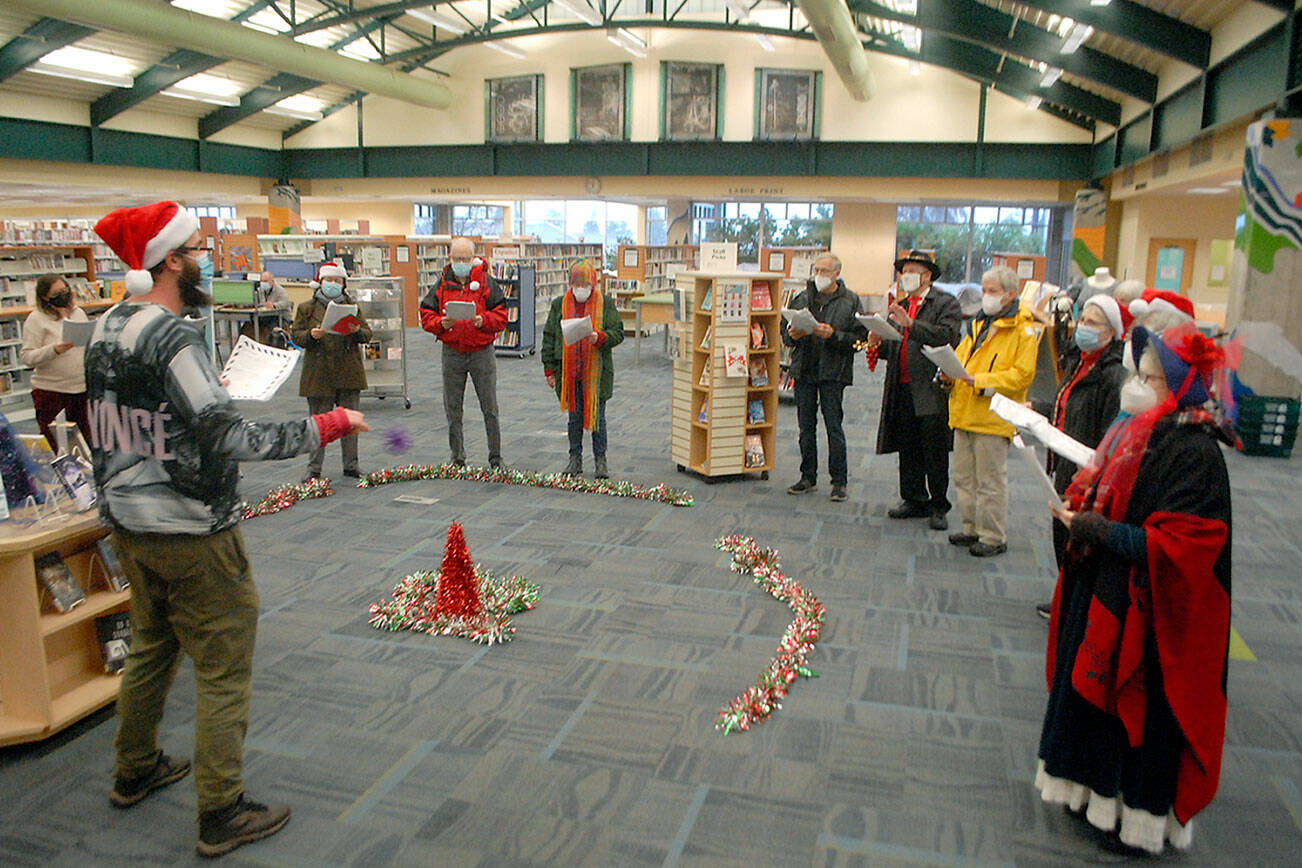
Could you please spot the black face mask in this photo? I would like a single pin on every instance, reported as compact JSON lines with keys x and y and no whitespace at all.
{"x":188,"y":282}
{"x":60,"y":299}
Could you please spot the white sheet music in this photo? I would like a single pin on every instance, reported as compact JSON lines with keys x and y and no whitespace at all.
{"x":800,"y":319}
{"x":256,"y":371}
{"x":946,"y":359}
{"x":1037,"y":468}
{"x":876,"y":324}
{"x":576,"y":329}
{"x":1027,"y":420}
{"x":78,"y":333}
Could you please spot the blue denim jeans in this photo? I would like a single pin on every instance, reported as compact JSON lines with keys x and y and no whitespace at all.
{"x":809,"y":395}
{"x":575,"y":427}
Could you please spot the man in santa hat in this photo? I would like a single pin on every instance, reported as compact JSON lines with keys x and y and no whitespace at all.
{"x":467,"y":343}
{"x":166,"y":443}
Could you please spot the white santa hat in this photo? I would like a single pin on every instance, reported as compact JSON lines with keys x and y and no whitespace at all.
{"x":143,"y":236}
{"x":1111,"y":310}
{"x":331,"y":269}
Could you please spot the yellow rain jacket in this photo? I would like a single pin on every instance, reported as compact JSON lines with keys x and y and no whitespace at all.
{"x":1004,"y":363}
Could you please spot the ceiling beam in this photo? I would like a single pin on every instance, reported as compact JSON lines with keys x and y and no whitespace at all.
{"x":270,"y":92}
{"x":46,"y":35}
{"x":1138,"y":24}
{"x":178,"y":65}
{"x":354,"y":97}
{"x":985,"y":25}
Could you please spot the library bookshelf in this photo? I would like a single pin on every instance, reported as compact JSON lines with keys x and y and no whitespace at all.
{"x":726,"y":425}
{"x":51,"y":672}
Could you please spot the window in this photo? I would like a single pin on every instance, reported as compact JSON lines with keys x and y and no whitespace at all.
{"x":578,"y":221}
{"x":598,"y":103}
{"x":689,"y":109}
{"x":787,"y":104}
{"x":965,"y":237}
{"x":754,"y":225}
{"x":657,"y":224}
{"x":221,"y":212}
{"x":514,"y":111}
{"x":460,"y":219}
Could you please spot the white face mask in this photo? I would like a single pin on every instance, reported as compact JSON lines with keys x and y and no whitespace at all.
{"x":822,"y":282}
{"x":1127,"y":358}
{"x":910,"y":282}
{"x":581,"y":293}
{"x":992,"y":304}
{"x":1137,"y":397}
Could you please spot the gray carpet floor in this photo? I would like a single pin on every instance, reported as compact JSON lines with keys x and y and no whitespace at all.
{"x":589,"y":739}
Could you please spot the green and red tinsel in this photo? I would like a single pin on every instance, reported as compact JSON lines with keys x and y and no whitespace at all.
{"x":286,"y":496}
{"x":756,"y":703}
{"x":460,"y":599}
{"x":407,"y":472}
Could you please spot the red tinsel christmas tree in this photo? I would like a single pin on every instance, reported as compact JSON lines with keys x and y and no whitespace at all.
{"x":457,"y":594}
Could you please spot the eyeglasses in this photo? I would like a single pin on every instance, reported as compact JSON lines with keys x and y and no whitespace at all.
{"x":194,"y":250}
{"x":1144,"y":377}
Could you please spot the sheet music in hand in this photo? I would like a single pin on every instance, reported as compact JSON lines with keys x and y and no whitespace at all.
{"x":576,"y":329}
{"x":1037,"y":468}
{"x":1027,"y":420}
{"x":880,"y":326}
{"x":256,"y":371}
{"x":800,"y":319}
{"x":455,"y":311}
{"x":78,"y":333}
{"x":946,"y":359}
{"x":338,"y":317}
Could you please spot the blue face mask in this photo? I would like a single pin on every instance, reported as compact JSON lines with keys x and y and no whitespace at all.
{"x":1088,"y":338}
{"x":331,"y":290}
{"x":461,"y":270}
{"x":205,"y":274}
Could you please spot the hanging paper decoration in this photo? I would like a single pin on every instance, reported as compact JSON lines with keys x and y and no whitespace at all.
{"x":756,"y":703}
{"x":407,"y":472}
{"x":286,"y":496}
{"x":460,"y":599}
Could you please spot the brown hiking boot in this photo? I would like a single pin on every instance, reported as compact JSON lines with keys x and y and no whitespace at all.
{"x":129,"y":791}
{"x":223,"y":829}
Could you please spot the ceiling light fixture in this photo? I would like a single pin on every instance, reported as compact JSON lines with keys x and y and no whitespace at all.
{"x":581,"y":10}
{"x":207,"y":88}
{"x":1100,"y":2}
{"x":738,"y":9}
{"x":616,"y":38}
{"x":80,"y":64}
{"x":298,"y":106}
{"x":1208,"y":191}
{"x":438,"y":19}
{"x":1033,"y":102}
{"x":1051,"y":75}
{"x":1076,"y":37}
{"x":630,"y":37}
{"x":502,"y":48}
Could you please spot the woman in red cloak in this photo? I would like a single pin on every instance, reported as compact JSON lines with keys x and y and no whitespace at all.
{"x":1139,"y":632}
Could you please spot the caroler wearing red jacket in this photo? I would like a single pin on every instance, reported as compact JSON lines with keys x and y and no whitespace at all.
{"x":467,"y":343}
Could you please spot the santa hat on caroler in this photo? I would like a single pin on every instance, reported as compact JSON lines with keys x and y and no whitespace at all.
{"x":1161,"y":300}
{"x":143,"y":236}
{"x":329,"y":269}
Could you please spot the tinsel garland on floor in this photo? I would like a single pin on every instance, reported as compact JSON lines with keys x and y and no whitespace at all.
{"x":412,"y":607}
{"x":286,"y":496}
{"x":756,"y":703}
{"x":407,"y":472}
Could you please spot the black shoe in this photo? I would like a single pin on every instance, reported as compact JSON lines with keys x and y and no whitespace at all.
{"x":1044,"y":610}
{"x":575,"y":467}
{"x":599,"y":470}
{"x":938,"y":521}
{"x":458,"y":462}
{"x":310,"y":476}
{"x":223,"y":829}
{"x":966,"y":540}
{"x":129,"y":791}
{"x":909,"y":509}
{"x":354,"y":473}
{"x":985,"y":550}
{"x":803,"y":486}
{"x":838,"y":493}
{"x":497,"y":464}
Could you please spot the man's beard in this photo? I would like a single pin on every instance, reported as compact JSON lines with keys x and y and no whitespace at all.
{"x":188,"y":283}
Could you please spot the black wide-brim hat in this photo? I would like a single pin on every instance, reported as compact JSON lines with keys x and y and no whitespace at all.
{"x":922,"y":257}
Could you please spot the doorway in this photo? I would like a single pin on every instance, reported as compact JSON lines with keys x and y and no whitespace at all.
{"x":1170,"y":264}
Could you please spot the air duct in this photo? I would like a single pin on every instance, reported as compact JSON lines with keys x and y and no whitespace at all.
{"x":831,"y":22}
{"x":179,"y":28}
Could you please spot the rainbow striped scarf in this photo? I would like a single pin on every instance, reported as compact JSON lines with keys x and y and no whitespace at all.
{"x":582,"y":357}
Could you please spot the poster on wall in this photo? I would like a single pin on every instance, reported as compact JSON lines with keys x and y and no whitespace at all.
{"x":513,"y":109}
{"x":691,"y":101}
{"x":599,"y":103}
{"x":787,"y":103}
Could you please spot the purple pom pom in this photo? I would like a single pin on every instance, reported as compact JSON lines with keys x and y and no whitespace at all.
{"x":397,"y":440}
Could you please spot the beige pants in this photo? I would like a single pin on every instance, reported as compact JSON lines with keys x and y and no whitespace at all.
{"x":981,"y":481}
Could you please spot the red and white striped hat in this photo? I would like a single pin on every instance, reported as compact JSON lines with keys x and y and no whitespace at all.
{"x":143,"y":236}
{"x":330,"y":269}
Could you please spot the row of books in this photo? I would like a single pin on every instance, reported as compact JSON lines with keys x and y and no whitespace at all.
{"x":760,"y":297}
{"x":755,"y":414}
{"x":112,"y":630}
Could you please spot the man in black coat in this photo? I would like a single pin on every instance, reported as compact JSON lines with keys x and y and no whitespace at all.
{"x":915,"y":411}
{"x":822,"y":365}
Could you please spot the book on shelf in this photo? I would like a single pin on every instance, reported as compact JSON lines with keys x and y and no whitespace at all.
{"x":754,"y":450}
{"x":57,"y":580}
{"x":704,"y":415}
{"x":759,"y":373}
{"x":107,"y":558}
{"x":371,"y":350}
{"x":705,"y":341}
{"x":759,"y":336}
{"x":705,"y":377}
{"x":114,"y":634}
{"x":75,"y":484}
{"x":707,"y":303}
{"x":760,"y":298}
{"x":755,"y":411}
{"x":734,"y":361}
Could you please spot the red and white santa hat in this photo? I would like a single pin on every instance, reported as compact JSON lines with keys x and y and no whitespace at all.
{"x":1161,"y":300}
{"x":331,"y":269}
{"x":143,"y":236}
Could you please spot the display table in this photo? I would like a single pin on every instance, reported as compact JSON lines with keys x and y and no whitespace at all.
{"x":51,"y":672}
{"x":656,"y":308}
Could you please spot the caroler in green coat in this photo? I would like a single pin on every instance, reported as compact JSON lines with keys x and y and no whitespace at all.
{"x":332,"y":362}
{"x":583,"y":373}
